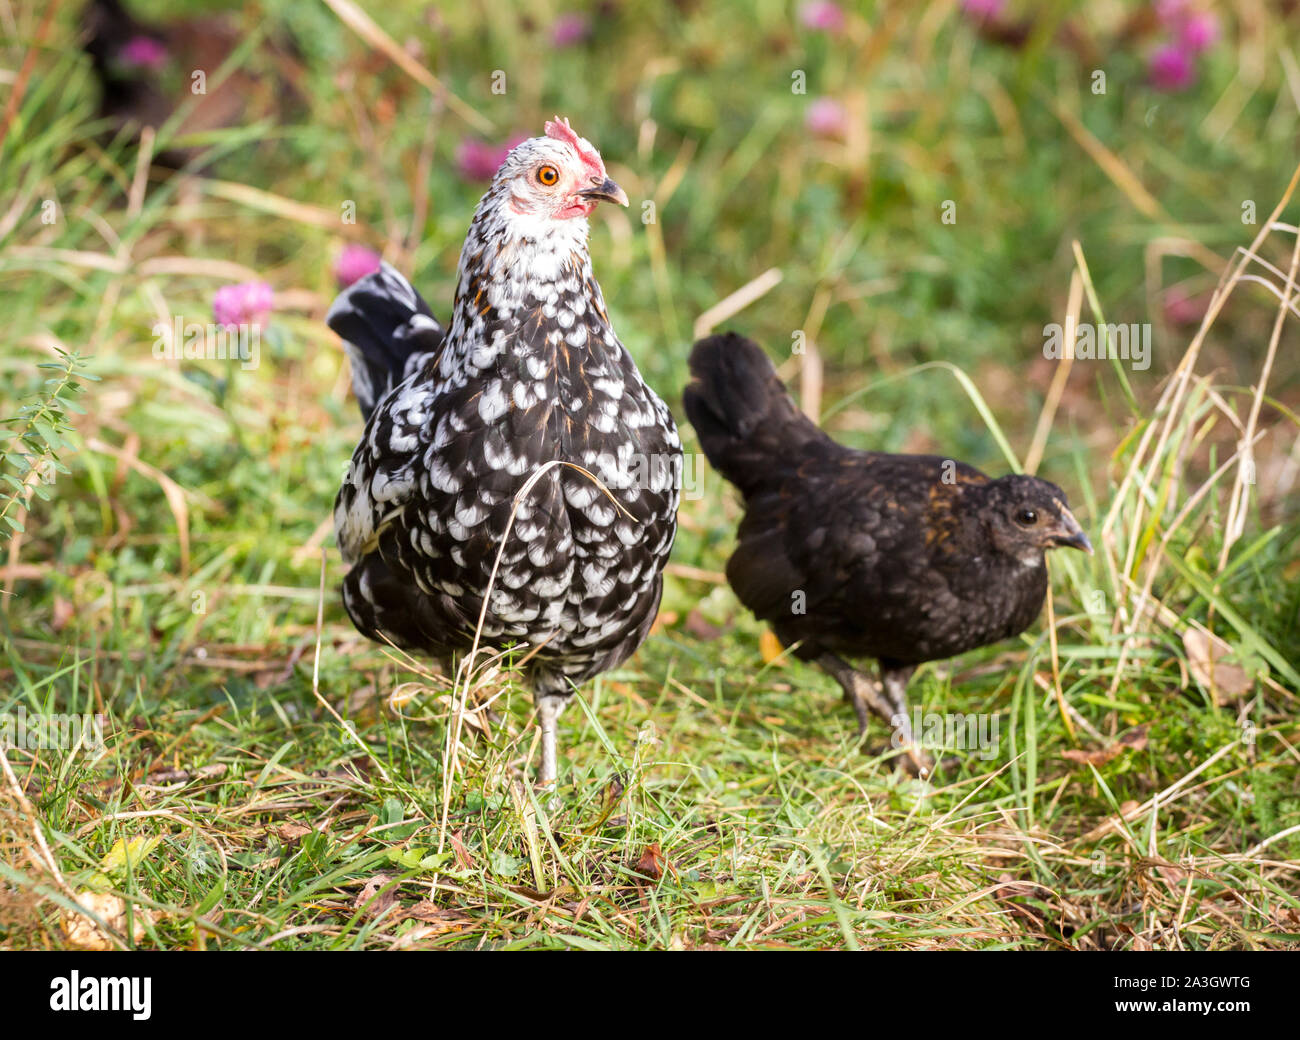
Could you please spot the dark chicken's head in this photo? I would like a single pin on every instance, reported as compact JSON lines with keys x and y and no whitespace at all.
{"x":1025,"y":516}
{"x":556,"y":177}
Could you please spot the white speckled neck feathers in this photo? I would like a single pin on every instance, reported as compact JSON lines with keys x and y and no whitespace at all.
{"x":513,"y":266}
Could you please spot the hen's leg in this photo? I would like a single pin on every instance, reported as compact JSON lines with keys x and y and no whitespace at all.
{"x":549,"y":706}
{"x":893,"y":681}
{"x":859,"y":690}
{"x":887,"y":700}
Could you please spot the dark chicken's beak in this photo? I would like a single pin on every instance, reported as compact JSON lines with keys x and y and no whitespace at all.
{"x":605,"y":191}
{"x":1068,"y":533}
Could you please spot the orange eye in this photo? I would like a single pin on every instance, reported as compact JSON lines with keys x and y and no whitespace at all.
{"x":548,"y":175}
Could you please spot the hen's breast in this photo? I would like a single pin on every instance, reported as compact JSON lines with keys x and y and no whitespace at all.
{"x":538,"y":395}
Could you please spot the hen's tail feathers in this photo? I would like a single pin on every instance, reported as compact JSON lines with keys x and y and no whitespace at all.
{"x":746,"y":422}
{"x":387,"y":609}
{"x":388,"y":331}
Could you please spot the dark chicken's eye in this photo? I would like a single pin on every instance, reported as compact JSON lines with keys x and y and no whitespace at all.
{"x":1027,"y":517}
{"x":548,"y":175}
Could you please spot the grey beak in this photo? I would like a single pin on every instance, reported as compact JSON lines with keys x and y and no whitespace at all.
{"x":606,"y":191}
{"x":1070,"y":534}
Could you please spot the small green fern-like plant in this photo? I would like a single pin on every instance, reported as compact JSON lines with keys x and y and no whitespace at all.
{"x":37,"y":434}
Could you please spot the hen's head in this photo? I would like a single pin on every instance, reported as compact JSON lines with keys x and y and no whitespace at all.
{"x":1025,"y":516}
{"x":553,"y":178}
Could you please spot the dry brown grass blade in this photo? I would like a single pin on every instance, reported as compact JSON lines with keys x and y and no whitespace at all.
{"x":1055,"y":391}
{"x":277,"y":205}
{"x":71,"y":257}
{"x":361,"y":23}
{"x":315,"y":678}
{"x":25,"y":72}
{"x":140,"y":180}
{"x":203,"y":267}
{"x":1167,"y":413}
{"x":173,"y":492}
{"x":42,"y":853}
{"x":733,"y":303}
{"x":685,"y":570}
{"x":313,"y":543}
{"x":1113,"y":167}
{"x":676,"y":173}
{"x":464,"y":674}
{"x":1056,"y":664}
{"x":1162,"y":799}
{"x":1239,"y":500}
{"x":423,"y":170}
{"x":1127,"y":181}
{"x":1157,"y":557}
{"x":811,"y":370}
{"x":1173,"y":394}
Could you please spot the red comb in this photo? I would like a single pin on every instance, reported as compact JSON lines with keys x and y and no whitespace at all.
{"x":558,"y":129}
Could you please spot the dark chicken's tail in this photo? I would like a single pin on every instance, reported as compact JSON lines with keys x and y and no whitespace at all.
{"x":746,"y":422}
{"x":387,"y":329}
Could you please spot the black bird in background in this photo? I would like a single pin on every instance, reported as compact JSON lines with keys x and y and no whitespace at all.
{"x":147,"y":70}
{"x":904,"y":558}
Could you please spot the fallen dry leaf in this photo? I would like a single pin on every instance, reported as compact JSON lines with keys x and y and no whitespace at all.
{"x":431,"y":913}
{"x":290,"y":831}
{"x":475,"y":718}
{"x":404,"y":693}
{"x":445,"y":921}
{"x":652,"y":862}
{"x":463,"y":859}
{"x":1011,"y":891}
{"x":1134,"y":740}
{"x":371,"y":901}
{"x":85,"y":934}
{"x":701,"y":628}
{"x":769,"y":646}
{"x":1096,"y":758}
{"x":172,"y":776}
{"x":1141,"y":944}
{"x":62,"y":614}
{"x":1205,"y":653}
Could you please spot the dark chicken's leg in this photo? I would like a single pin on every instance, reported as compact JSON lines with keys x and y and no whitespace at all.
{"x":859,"y":690}
{"x":894,"y":678}
{"x":887,"y":700}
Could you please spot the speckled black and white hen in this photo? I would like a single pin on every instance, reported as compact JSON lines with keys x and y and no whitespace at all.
{"x":528,"y":386}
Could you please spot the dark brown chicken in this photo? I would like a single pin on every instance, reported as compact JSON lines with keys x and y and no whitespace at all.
{"x":904,"y":558}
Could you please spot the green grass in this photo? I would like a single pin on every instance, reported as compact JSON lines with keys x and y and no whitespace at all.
{"x":271,"y":779}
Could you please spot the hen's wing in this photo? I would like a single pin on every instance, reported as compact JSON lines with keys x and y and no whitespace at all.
{"x":850,"y":551}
